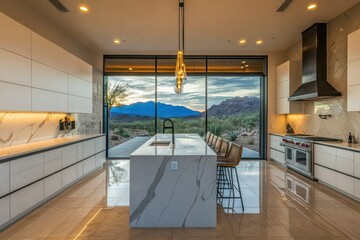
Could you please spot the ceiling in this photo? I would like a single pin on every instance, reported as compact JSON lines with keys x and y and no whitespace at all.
{"x":211,"y":26}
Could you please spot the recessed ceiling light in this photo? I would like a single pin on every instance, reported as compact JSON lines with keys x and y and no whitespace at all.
{"x":243,"y":62}
{"x":246,"y":65}
{"x":130,"y":69}
{"x":84,"y":9}
{"x":117,"y":41}
{"x":259,"y":42}
{"x":242,"y":41}
{"x":242,"y":67}
{"x":311,"y":6}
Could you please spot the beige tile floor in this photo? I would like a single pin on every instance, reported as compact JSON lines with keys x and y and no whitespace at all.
{"x":278,"y":205}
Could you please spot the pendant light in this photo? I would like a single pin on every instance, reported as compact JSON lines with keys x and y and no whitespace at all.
{"x":180,"y":69}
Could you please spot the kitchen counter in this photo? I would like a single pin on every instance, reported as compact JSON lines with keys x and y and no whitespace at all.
{"x":173,"y":187}
{"x":343,"y":145}
{"x":9,"y":153}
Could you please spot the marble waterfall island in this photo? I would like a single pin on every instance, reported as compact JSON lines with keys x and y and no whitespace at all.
{"x":173,"y":186}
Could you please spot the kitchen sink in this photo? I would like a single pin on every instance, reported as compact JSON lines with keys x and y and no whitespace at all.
{"x":160,"y":143}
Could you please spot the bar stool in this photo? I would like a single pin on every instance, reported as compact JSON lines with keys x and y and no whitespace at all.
{"x":211,"y":137}
{"x":213,"y":142}
{"x":224,"y":150}
{"x":207,"y":137}
{"x":226,"y":171}
{"x":218,"y":144}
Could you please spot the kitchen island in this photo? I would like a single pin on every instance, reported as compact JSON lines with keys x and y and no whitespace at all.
{"x":173,"y":185}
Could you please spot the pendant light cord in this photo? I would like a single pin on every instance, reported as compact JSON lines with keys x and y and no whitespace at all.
{"x":181,"y":26}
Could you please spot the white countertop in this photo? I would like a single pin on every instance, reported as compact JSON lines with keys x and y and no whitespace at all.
{"x":7,"y":153}
{"x":185,"y":145}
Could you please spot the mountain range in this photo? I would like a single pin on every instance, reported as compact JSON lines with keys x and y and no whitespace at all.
{"x":145,"y":110}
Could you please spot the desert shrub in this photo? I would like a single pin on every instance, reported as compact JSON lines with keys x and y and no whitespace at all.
{"x":233,"y":136}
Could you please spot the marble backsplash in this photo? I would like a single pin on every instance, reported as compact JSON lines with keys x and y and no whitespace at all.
{"x":341,"y":122}
{"x":22,"y":128}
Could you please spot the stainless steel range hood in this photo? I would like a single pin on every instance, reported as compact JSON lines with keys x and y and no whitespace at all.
{"x":314,"y":68}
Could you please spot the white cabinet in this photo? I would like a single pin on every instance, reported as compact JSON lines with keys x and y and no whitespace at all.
{"x":47,"y":101}
{"x":26,"y":170}
{"x":277,"y":152}
{"x":89,"y":148}
{"x":14,"y":37}
{"x":69,"y":155}
{"x":357,"y":188}
{"x":4,"y":178}
{"x":353,"y":79}
{"x":80,"y":169}
{"x":325,"y":175}
{"x":288,"y":78}
{"x":100,"y":144}
{"x":48,"y":78}
{"x":52,"y":161}
{"x":80,"y":151}
{"x":35,"y":178}
{"x":79,"y":68}
{"x":345,"y":183}
{"x":15,"y":68}
{"x":46,"y":52}
{"x":26,"y":198}
{"x":79,"y":87}
{"x":34,"y":73}
{"x":52,"y":184}
{"x":4,"y":210}
{"x":357,"y":165}
{"x":68,"y":175}
{"x":89,"y":165}
{"x":14,"y":97}
{"x":79,"y":104}
{"x":100,"y":158}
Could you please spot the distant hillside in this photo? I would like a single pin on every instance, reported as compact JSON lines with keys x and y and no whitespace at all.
{"x":147,"y":109}
{"x":235,"y":105}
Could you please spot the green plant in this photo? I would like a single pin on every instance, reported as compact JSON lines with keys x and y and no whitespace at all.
{"x":216,"y":129}
{"x":233,"y":136}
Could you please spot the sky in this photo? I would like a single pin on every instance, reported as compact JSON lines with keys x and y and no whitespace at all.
{"x":142,"y":89}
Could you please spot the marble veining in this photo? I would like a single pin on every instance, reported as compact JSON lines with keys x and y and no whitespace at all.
{"x":150,"y":195}
{"x":163,"y":197}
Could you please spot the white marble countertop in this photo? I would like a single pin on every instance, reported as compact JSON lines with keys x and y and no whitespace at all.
{"x":7,"y":153}
{"x":185,"y":145}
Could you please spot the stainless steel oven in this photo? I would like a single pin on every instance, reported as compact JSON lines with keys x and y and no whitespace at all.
{"x":300,"y":159}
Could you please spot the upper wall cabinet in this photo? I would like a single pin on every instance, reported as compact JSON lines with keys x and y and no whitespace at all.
{"x":14,"y":37}
{"x":79,"y":68}
{"x":39,"y":76}
{"x":353,"y":81}
{"x":288,"y":78}
{"x":46,"y":52}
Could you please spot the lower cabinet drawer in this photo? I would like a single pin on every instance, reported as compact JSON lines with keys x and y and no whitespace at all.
{"x":80,"y":169}
{"x":277,"y":156}
{"x":26,"y":198}
{"x":89,"y":165}
{"x":52,"y":184}
{"x":100,"y":158}
{"x":325,"y":175}
{"x":68,"y":175}
{"x":357,"y":188}
{"x":345,"y":183}
{"x":4,"y":210}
